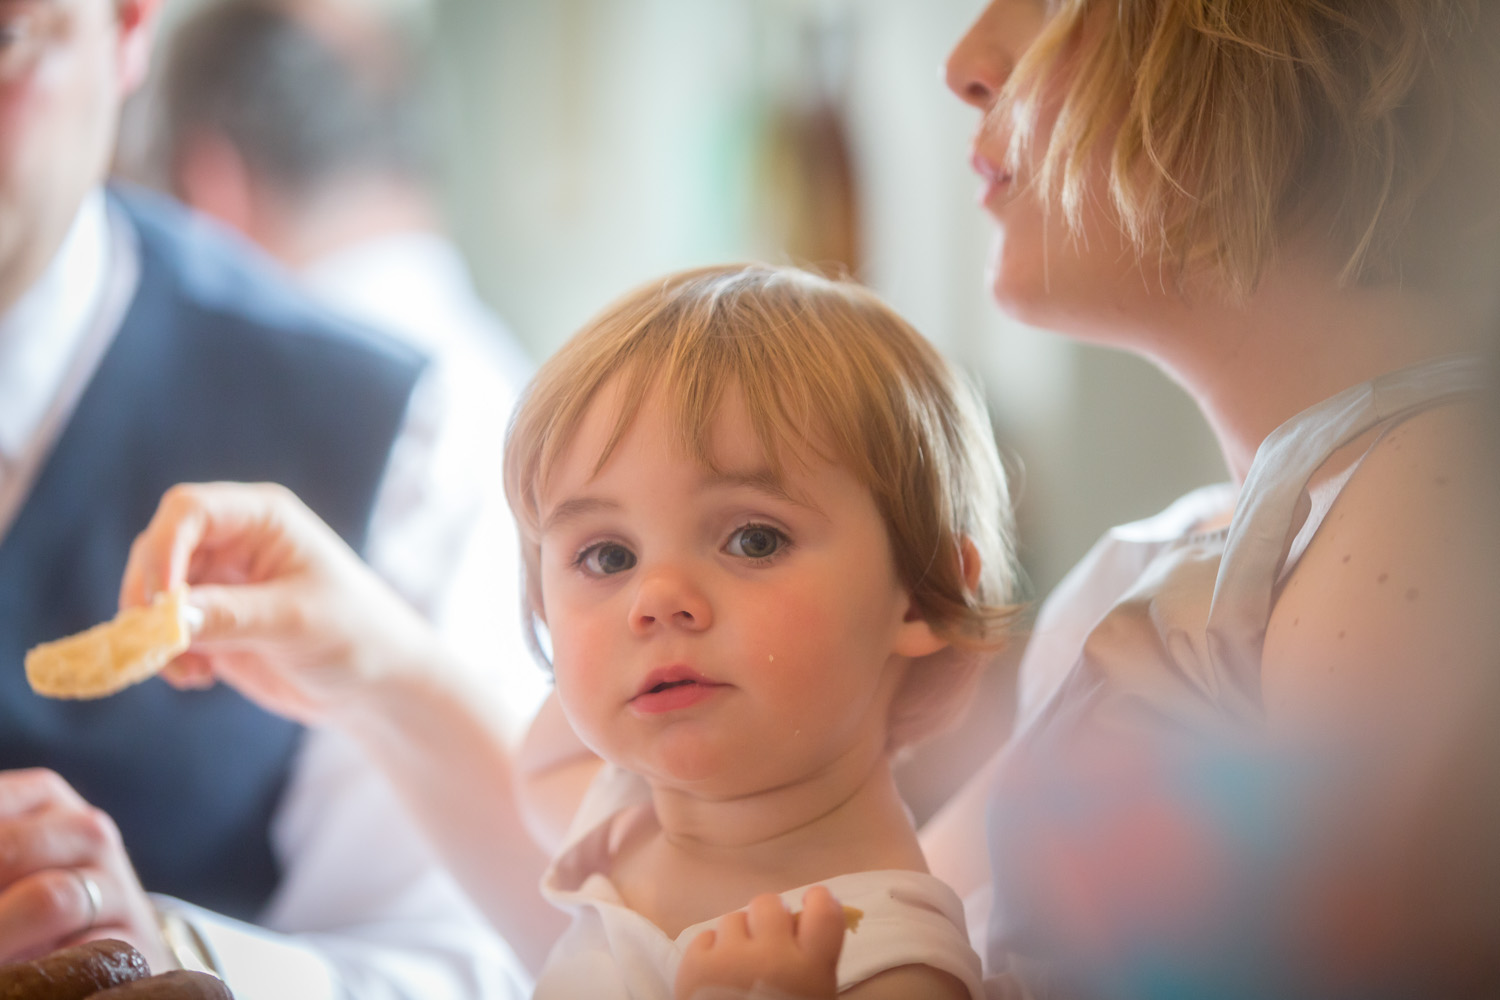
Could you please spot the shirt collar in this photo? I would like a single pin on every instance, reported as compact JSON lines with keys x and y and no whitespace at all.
{"x":43,"y":331}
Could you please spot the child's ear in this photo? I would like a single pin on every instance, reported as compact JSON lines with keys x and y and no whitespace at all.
{"x":917,"y":637}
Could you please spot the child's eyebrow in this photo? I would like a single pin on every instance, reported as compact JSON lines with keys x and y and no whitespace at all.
{"x":575,"y":508}
{"x":759,"y":480}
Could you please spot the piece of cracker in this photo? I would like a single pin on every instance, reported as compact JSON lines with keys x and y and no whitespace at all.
{"x":110,"y":657}
{"x":852,"y":917}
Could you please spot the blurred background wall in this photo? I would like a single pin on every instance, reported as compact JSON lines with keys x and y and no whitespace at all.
{"x":591,"y":144}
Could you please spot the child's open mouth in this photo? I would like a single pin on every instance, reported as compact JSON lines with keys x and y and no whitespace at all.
{"x":672,"y":688}
{"x":668,"y":685}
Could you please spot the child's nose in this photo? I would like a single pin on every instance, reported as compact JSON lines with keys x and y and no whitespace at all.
{"x":667,"y":596}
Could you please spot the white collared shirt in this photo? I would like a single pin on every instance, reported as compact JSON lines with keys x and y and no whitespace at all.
{"x":416,"y":287}
{"x":52,"y":339}
{"x":364,"y":909}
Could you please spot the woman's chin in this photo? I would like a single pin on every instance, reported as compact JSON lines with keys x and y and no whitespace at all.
{"x":1023,"y":295}
{"x":1019,"y":280}
{"x":1019,"y":307}
{"x":1068,"y":301}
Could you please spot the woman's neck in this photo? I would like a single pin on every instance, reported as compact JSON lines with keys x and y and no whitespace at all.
{"x":1299,"y":339}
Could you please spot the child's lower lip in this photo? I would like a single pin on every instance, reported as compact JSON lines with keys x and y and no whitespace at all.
{"x":673,"y":698}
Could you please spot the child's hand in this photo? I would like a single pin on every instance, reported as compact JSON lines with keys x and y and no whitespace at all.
{"x":765,"y":945}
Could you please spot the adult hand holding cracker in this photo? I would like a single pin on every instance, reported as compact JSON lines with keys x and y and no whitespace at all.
{"x":289,"y":615}
{"x":293,"y":620}
{"x":280,"y":608}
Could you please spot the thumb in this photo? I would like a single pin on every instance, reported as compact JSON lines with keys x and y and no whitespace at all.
{"x":225,"y":614}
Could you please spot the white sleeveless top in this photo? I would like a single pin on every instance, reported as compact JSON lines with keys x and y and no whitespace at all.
{"x":1161,"y":613}
{"x":1164,"y":621}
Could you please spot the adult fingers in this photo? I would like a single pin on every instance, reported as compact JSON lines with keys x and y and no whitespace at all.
{"x":66,"y":875}
{"x":50,"y":907}
{"x":243,"y":613}
{"x":189,"y":672}
{"x":53,"y":838}
{"x":197,"y":519}
{"x":160,"y":554}
{"x":32,"y":789}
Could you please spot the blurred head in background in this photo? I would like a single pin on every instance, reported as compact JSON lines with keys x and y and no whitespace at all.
{"x":304,"y":124}
{"x":308,"y":126}
{"x":66,"y":66}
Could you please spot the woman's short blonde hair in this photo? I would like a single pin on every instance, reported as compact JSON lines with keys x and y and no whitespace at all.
{"x":821,"y":365}
{"x":1230,"y":126}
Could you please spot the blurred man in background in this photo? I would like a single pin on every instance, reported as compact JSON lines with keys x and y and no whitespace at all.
{"x":140,"y":348}
{"x":308,"y":127}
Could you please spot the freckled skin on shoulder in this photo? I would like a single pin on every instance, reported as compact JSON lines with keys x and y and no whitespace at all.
{"x":1383,"y":647}
{"x":1394,"y":599}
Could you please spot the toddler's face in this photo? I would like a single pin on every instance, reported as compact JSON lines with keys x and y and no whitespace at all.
{"x":719,"y":634}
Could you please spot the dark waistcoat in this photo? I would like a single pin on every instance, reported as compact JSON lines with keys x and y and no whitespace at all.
{"x":220,"y":371}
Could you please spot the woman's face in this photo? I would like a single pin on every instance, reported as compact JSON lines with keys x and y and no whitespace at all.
{"x":1091,"y":285}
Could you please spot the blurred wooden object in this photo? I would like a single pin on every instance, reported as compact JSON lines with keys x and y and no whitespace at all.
{"x":103,"y":970}
{"x":806,"y":197}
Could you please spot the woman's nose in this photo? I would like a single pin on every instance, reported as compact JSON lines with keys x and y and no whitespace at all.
{"x":981,"y":62}
{"x":668,"y":597}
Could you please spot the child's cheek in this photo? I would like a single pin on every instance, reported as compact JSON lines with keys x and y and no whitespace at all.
{"x":578,"y":691}
{"x":582,"y":663}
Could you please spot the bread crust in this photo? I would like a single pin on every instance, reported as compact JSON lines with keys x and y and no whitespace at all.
{"x":74,"y":973}
{"x":177,"y":985}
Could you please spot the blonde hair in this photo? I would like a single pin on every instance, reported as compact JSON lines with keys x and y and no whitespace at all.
{"x":1231,"y":125}
{"x":821,"y":365}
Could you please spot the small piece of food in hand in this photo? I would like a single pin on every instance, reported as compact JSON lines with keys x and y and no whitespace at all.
{"x":178,"y":985}
{"x":110,"y":657}
{"x":73,"y":973}
{"x":852,"y":917}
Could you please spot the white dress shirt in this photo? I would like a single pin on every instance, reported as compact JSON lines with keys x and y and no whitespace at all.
{"x":460,"y":559}
{"x":364,"y":909}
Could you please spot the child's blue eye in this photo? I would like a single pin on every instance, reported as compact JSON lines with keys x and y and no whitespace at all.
{"x":755,"y":541}
{"x":605,"y":559}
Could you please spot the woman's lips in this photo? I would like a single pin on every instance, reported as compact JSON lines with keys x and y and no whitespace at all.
{"x":996,"y":178}
{"x":671,"y":689}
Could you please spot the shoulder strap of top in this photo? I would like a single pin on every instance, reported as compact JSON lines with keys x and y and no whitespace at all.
{"x":1265,"y":518}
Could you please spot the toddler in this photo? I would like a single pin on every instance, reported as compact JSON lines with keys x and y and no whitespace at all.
{"x":765,"y":542}
{"x":765,"y":536}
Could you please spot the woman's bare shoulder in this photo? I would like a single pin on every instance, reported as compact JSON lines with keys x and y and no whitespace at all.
{"x":1393,"y":588}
